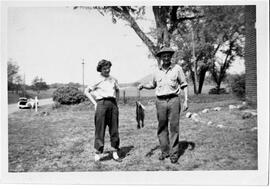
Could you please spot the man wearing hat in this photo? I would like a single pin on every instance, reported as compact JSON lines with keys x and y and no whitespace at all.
{"x":103,"y":94}
{"x":168,"y":80}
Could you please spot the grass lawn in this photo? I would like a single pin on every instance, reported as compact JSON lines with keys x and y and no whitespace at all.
{"x":63,"y":140}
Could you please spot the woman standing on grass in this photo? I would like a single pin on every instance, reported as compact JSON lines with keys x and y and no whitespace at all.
{"x":104,"y":94}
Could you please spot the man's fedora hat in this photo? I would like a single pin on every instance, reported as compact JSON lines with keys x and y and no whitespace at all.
{"x":165,"y":50}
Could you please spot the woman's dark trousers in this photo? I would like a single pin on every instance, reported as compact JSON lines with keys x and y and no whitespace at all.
{"x":106,"y":115}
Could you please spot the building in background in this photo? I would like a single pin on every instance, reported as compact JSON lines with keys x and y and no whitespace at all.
{"x":251,"y":55}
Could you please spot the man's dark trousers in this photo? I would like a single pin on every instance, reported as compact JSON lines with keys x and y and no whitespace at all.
{"x":168,"y":113}
{"x":106,"y":114}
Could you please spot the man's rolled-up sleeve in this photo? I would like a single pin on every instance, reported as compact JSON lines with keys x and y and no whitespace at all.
{"x":152,"y":84}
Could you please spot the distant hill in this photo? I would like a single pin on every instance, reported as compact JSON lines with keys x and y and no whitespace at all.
{"x":127,"y":84}
{"x":145,"y":79}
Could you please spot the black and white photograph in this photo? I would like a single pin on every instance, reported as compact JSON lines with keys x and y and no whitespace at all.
{"x":133,"y":92}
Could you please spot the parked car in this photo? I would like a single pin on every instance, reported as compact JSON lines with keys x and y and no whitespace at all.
{"x":25,"y":103}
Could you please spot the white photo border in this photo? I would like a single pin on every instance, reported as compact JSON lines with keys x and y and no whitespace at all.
{"x":245,"y":177}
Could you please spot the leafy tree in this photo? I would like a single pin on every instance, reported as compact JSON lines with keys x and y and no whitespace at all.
{"x":218,"y":29}
{"x":194,"y":44}
{"x":166,"y":21}
{"x":219,"y":67}
{"x":38,"y":84}
{"x":13,"y":70}
{"x":197,"y":31}
{"x":18,"y":83}
{"x":231,"y":41}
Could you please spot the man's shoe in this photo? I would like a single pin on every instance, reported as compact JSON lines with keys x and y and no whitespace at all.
{"x":163,"y":156}
{"x":174,"y":160}
{"x":117,"y":160}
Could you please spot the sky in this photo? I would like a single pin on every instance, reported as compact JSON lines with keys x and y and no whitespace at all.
{"x":52,"y":42}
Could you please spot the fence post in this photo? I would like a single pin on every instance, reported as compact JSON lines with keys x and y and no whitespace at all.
{"x":138,"y":94}
{"x":124,"y":97}
{"x":36,"y":103}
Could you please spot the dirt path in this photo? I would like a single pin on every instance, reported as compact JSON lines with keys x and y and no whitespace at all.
{"x":13,"y":107}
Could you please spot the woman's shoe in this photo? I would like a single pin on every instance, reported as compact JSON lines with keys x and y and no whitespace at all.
{"x":97,"y":157}
{"x":116,"y":157}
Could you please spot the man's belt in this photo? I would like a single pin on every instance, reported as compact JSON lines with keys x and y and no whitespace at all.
{"x":169,"y":96}
{"x":107,"y":98}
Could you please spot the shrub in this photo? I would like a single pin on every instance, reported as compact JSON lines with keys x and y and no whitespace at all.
{"x":68,"y":95}
{"x":238,"y":85}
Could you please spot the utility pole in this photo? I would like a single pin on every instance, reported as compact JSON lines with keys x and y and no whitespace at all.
{"x":83,"y":74}
{"x":194,"y":60}
{"x":24,"y":85}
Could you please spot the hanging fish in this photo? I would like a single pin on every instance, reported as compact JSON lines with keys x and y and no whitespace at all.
{"x":140,"y":114}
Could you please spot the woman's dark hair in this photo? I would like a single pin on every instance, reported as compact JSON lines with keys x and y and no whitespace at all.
{"x":103,"y":63}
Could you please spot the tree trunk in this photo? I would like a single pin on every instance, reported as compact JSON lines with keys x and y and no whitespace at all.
{"x":163,"y":37}
{"x":194,"y":63}
{"x":194,"y":82}
{"x":133,"y":24}
{"x":201,"y":79}
{"x":218,"y":86}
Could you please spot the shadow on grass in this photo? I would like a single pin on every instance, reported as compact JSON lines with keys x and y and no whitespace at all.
{"x":183,"y":146}
{"x":151,"y":152}
{"x":123,"y":152}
